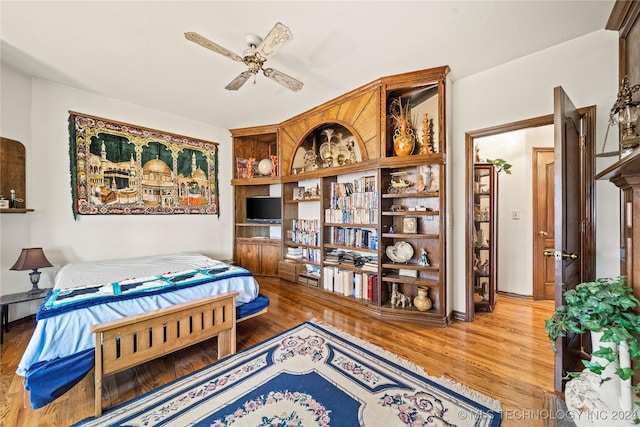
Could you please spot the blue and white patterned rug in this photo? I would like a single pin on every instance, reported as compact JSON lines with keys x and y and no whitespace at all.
{"x":311,"y":375}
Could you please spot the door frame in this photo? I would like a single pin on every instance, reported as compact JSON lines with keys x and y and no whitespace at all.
{"x":588,"y":259}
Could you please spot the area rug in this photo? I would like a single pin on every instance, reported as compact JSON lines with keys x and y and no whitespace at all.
{"x":311,"y":375}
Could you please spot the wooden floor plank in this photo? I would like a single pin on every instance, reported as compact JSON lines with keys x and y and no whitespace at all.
{"x":504,"y":354}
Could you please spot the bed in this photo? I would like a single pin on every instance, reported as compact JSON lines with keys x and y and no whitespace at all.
{"x":62,"y":348}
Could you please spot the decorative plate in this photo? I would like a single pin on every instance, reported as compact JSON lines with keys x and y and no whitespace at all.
{"x":399,"y":252}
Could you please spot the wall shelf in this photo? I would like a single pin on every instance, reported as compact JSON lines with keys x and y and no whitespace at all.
{"x":15,"y":210}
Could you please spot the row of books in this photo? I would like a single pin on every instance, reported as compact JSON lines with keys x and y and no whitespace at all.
{"x":356,"y":237}
{"x":351,"y":258}
{"x":365,"y":184}
{"x":307,"y":254}
{"x":353,"y":216}
{"x":354,"y":201}
{"x":305,"y":232}
{"x":360,"y":285}
{"x":305,"y":224}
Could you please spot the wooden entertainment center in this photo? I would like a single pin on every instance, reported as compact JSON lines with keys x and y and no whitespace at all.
{"x":363,"y":213}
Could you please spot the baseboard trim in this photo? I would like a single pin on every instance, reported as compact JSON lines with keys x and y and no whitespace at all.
{"x":459,"y":316}
{"x":515,"y":296}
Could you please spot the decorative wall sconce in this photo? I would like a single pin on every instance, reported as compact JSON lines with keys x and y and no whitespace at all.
{"x":626,"y":112}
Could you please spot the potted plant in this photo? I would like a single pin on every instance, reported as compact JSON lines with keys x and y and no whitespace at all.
{"x":501,"y":165}
{"x":607,"y":306}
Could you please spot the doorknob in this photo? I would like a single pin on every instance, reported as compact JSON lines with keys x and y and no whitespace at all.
{"x":572,"y":256}
{"x":542,"y":233}
{"x":560,"y":255}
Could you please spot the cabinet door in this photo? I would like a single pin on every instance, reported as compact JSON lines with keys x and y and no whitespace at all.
{"x":249,"y":257}
{"x":269,"y":257}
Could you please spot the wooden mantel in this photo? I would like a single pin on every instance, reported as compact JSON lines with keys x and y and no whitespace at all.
{"x":625,"y":174}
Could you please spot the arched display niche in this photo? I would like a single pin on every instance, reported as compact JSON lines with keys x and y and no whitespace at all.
{"x":328,"y":145}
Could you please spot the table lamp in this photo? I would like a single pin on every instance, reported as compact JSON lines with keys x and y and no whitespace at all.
{"x":32,"y":259}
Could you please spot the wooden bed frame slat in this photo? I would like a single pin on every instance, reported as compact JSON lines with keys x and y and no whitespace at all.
{"x":196,"y":321}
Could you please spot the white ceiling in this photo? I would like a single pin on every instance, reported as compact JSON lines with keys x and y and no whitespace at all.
{"x":135,"y":51}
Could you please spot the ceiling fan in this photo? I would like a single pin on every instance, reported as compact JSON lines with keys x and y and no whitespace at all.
{"x":255,"y":56}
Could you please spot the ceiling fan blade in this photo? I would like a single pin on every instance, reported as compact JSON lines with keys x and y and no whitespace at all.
{"x":283,"y":79}
{"x":239,"y":80}
{"x":273,"y":42}
{"x":204,"y":42}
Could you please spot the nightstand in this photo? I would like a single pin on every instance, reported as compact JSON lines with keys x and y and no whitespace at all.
{"x":7,"y":300}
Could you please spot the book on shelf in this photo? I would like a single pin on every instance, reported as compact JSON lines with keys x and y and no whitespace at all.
{"x":294,"y":253}
{"x":328,"y":278}
{"x":357,"y":285}
{"x":312,"y":270}
{"x":356,"y":237}
{"x":306,"y":254}
{"x":347,"y":283}
{"x":351,"y":283}
{"x":371,"y":265}
{"x":367,"y":262}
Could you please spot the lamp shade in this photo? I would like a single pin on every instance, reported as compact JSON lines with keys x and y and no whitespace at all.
{"x":31,"y":259}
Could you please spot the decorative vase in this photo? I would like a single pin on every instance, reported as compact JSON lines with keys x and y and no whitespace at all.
{"x":403,"y":141}
{"x":422,"y":301}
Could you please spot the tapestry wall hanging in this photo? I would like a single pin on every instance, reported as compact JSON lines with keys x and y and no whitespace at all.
{"x":119,"y":168}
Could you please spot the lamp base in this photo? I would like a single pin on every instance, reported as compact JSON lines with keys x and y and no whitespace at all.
{"x":35,"y":291}
{"x":628,"y":145}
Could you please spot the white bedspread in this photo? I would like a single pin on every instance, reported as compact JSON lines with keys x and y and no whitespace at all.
{"x":63,"y":335}
{"x":93,"y":273}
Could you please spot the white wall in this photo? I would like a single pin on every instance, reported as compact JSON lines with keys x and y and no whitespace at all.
{"x":586,"y":68}
{"x":52,"y":226}
{"x":15,"y":230}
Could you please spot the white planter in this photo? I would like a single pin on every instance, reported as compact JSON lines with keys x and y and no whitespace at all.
{"x":610,"y":371}
{"x":627,"y":396}
{"x":601,"y":400}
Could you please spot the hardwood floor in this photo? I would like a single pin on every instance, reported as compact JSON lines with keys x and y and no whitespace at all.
{"x":504,"y":354}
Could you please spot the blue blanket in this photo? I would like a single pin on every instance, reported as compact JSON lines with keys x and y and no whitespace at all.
{"x":61,"y":350}
{"x":59,"y":301}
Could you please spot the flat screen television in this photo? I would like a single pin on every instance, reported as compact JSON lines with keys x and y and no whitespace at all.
{"x":263,"y":209}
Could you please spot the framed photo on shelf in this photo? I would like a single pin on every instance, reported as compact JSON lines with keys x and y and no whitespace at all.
{"x":427,"y":178}
{"x":410,"y":225}
{"x":241,"y":168}
{"x":298,"y":193}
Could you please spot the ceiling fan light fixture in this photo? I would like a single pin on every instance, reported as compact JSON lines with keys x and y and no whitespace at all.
{"x":252,"y":40}
{"x":259,"y":51}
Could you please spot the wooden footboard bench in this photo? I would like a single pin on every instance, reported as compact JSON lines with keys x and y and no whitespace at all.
{"x":131,"y":341}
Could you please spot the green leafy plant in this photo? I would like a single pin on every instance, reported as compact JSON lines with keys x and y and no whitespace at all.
{"x":605,"y":305}
{"x":501,"y":165}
